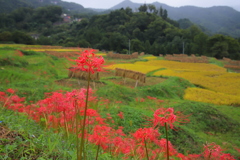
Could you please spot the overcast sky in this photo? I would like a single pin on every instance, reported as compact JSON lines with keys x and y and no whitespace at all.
{"x":105,"y":4}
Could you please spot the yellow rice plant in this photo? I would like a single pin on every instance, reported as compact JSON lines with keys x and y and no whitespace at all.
{"x":101,"y":54}
{"x":134,"y":67}
{"x":186,"y":66}
{"x":150,"y":57}
{"x":204,"y":95}
{"x":18,"y":45}
{"x":227,"y":83}
{"x":56,"y":50}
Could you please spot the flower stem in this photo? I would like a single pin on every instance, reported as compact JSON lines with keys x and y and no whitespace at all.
{"x":97,"y":151}
{"x":166,"y":129}
{"x":76,"y":123}
{"x":84,"y":118}
{"x":146,"y":148}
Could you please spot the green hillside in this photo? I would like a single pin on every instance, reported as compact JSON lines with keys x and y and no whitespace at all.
{"x":34,"y":74}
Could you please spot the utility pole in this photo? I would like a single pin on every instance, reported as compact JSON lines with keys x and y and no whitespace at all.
{"x":129,"y":44}
{"x":183,"y":47}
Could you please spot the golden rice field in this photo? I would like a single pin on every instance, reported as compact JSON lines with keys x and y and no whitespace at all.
{"x":19,"y":45}
{"x":55,"y":50}
{"x":204,"y":95}
{"x":150,"y":57}
{"x":101,"y":54}
{"x":215,"y":80}
{"x":135,"y":67}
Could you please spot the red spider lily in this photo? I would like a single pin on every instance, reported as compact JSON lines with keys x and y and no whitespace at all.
{"x":163,"y":115}
{"x":146,"y":134}
{"x":10,"y":90}
{"x":152,"y":98}
{"x":90,"y":112}
{"x":118,"y":102}
{"x":163,"y":145}
{"x":89,"y":62}
{"x":20,"y":53}
{"x":100,"y":120}
{"x":2,"y":94}
{"x":214,"y":151}
{"x":120,"y":114}
{"x":142,"y":100}
{"x":101,"y":136}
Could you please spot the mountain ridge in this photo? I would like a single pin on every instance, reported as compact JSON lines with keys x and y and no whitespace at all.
{"x":217,"y":19}
{"x":7,"y":6}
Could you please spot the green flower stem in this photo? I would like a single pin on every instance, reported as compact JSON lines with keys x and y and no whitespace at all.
{"x":97,"y":151}
{"x":146,"y":148}
{"x":84,"y":119}
{"x":76,"y":122}
{"x":65,"y":123}
{"x":166,"y":130}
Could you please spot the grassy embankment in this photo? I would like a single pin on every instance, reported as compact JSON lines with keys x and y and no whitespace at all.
{"x":35,"y":73}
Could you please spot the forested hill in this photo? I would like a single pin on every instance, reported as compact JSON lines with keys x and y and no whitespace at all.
{"x":146,"y":31}
{"x":218,"y":19}
{"x":7,"y":6}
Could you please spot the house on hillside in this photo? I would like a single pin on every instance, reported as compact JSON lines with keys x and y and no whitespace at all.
{"x":66,"y":18}
{"x":77,"y":19}
{"x":35,"y":36}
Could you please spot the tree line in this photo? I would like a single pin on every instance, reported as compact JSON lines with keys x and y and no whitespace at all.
{"x":148,"y":30}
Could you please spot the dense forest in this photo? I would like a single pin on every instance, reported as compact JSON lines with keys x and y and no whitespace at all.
{"x":148,"y":30}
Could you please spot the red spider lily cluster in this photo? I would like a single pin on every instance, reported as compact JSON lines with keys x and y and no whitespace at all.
{"x":59,"y":109}
{"x":213,"y":151}
{"x":89,"y":62}
{"x":19,"y":53}
{"x":163,"y":115}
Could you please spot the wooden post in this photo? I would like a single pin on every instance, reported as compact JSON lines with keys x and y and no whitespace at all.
{"x":136,"y":84}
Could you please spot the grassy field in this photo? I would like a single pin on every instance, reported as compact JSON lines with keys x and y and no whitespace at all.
{"x":206,"y":94}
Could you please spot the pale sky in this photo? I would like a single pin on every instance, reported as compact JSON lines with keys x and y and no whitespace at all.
{"x":105,"y":4}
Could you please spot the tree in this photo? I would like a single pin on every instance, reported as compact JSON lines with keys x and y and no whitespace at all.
{"x":161,"y":12}
{"x":218,"y":46}
{"x":147,"y":46}
{"x":42,"y":40}
{"x":22,"y":38}
{"x":155,"y":49}
{"x":117,"y":42}
{"x":152,"y":9}
{"x":184,"y":23}
{"x":93,"y":36}
{"x":177,"y":46}
{"x":128,"y":11}
{"x":234,"y":48}
{"x":219,"y":50}
{"x":200,"y":44}
{"x":6,"y":36}
{"x":137,"y":34}
{"x":165,"y":14}
{"x":84,"y":44}
{"x":143,"y":8}
{"x":137,"y":45}
{"x":155,"y":30}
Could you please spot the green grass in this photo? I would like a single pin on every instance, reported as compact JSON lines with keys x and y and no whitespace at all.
{"x":32,"y":141}
{"x":216,"y":62}
{"x":35,"y":74}
{"x":35,"y":77}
